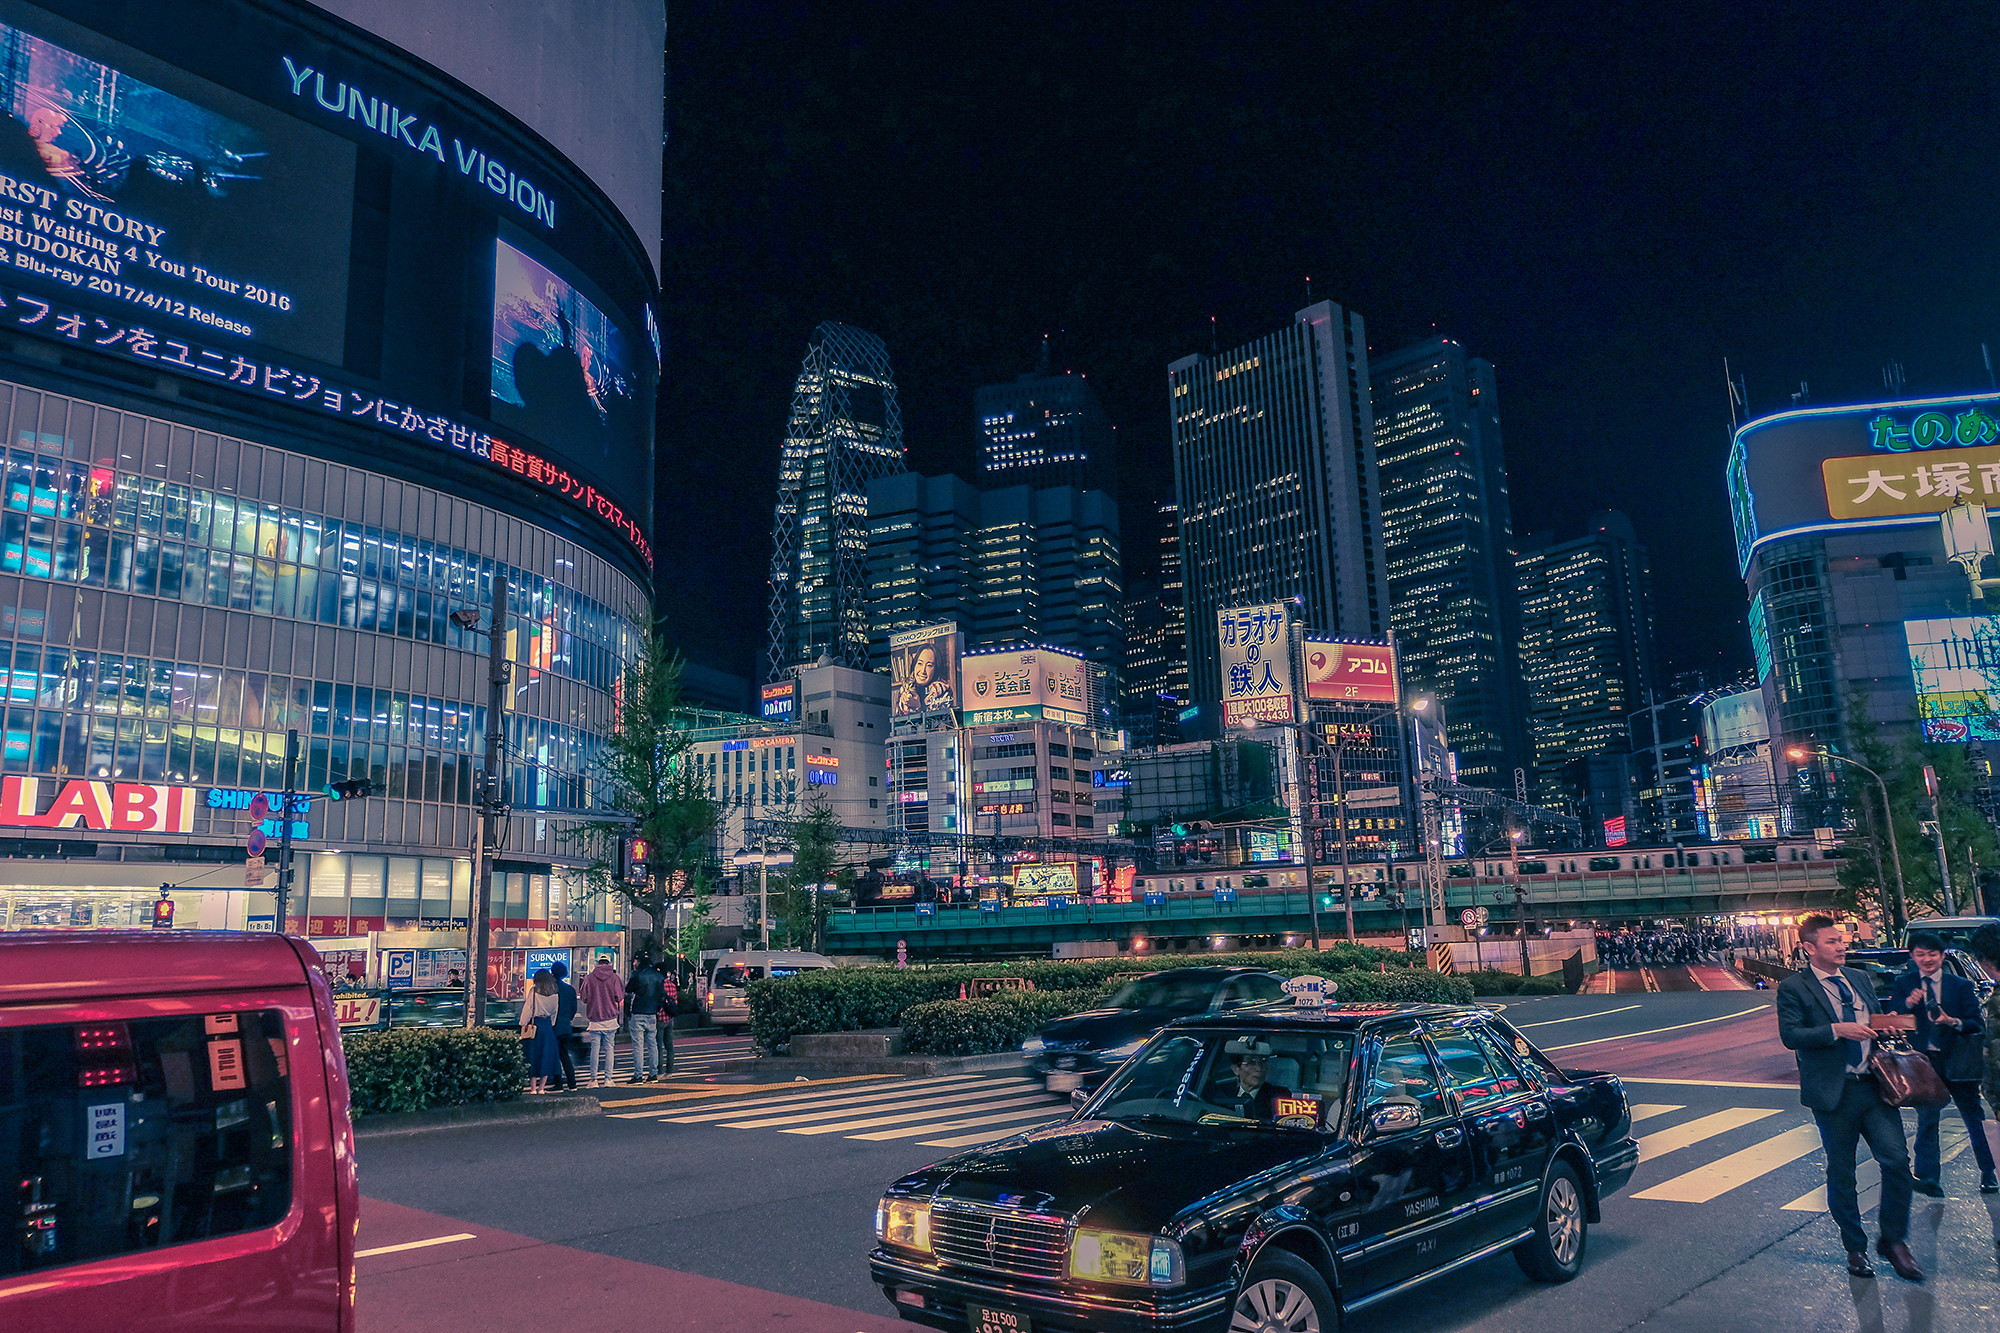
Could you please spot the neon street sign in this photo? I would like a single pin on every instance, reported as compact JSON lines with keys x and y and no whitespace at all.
{"x":1933,"y":430}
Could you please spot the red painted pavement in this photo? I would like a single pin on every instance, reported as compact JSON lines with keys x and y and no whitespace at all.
{"x":1738,"y":1050}
{"x":1711,"y":976}
{"x":499,"y":1282}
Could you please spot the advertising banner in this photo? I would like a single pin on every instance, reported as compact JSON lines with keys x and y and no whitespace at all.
{"x":924,"y":678}
{"x":1022,"y":685}
{"x":1350,"y":672}
{"x":156,"y":195}
{"x":1888,"y":462}
{"x":1614,"y":831}
{"x":779,"y":701}
{"x":1734,"y":719}
{"x":125,"y":807}
{"x":1955,"y":665}
{"x":1256,"y":657}
{"x":1039,"y":883}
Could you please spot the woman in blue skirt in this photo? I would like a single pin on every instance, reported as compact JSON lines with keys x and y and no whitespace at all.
{"x":544,"y":1058}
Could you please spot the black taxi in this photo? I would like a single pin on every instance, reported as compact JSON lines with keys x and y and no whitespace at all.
{"x":1271,"y":1168}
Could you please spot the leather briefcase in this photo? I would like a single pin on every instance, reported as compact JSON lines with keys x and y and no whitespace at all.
{"x":1905,"y":1076}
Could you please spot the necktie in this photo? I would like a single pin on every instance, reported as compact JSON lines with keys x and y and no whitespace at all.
{"x":1853,"y":1048}
{"x":1931,"y":1002}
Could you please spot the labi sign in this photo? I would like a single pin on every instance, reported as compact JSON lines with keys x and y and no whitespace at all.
{"x":120,"y":807}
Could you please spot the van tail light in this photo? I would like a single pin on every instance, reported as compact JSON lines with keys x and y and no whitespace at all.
{"x":104,"y":1055}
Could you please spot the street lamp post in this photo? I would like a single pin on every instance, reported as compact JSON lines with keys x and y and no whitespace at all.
{"x":1937,"y":832}
{"x":1799,"y":753}
{"x":491,"y":808}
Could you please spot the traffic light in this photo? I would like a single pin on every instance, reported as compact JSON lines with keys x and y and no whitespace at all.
{"x":351,"y":790}
{"x":1180,"y":830}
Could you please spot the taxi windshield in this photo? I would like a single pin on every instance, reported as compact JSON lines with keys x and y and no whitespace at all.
{"x":1289,"y":1080}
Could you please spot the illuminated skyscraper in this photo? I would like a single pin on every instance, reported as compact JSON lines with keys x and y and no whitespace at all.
{"x":845,"y":430}
{"x":1045,"y":430}
{"x":1009,"y":565}
{"x":1156,"y":661}
{"x":1447,"y":532}
{"x":1586,"y":644}
{"x":1274,"y":468}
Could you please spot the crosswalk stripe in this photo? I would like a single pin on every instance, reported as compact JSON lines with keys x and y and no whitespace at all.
{"x":798,"y":1101}
{"x":1724,"y":1174}
{"x":929,"y":1106}
{"x":1053,"y":1112}
{"x":1647,"y":1110}
{"x":929,"y":1113}
{"x":968,"y":1140}
{"x":1664,"y":1141}
{"x":1868,"y":1177}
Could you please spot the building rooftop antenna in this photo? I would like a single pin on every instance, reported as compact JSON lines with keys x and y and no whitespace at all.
{"x":1987,"y":356}
{"x":1213,"y":349}
{"x":1738,"y":404}
{"x":1042,"y":366}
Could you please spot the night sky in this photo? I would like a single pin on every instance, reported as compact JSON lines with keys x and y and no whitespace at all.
{"x":1604,"y":201}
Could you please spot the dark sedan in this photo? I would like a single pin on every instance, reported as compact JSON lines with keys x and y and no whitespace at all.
{"x":1273,"y":1169}
{"x":1081,"y":1050}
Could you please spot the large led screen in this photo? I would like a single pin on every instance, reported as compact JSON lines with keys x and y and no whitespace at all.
{"x":563,"y":371}
{"x":169,"y":204}
{"x":1955,"y":665}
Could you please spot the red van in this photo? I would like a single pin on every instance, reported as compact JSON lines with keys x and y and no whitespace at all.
{"x":173,"y":1108}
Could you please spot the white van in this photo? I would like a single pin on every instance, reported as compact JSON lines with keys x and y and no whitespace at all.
{"x":723,"y":1000}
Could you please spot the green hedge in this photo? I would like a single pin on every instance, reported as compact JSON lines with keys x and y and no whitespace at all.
{"x":850,"y":999}
{"x":420,"y":1069}
{"x":1003,"y":1022}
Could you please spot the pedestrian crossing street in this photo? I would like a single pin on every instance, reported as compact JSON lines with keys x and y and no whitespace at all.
{"x":1662,"y":1145}
{"x":945,"y":1112}
{"x":691,"y":1058}
{"x":1685,"y":1156}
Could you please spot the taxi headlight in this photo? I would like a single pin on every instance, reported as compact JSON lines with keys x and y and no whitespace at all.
{"x":905,"y":1223}
{"x":1124,"y":1256}
{"x":1034,"y":1046}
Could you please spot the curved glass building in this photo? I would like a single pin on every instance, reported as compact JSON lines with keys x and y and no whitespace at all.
{"x":311,"y":325}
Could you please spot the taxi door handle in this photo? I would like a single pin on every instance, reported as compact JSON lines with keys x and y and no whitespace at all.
{"x":1450,"y":1138}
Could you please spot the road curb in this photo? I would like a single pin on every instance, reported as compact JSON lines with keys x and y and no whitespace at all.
{"x":535,"y":1111}
{"x":916,"y":1066}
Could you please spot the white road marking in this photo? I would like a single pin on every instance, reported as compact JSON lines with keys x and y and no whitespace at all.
{"x":932,"y":1112}
{"x":1579,"y":1018}
{"x":1627,"y":1036}
{"x":1037,"y":1114}
{"x":1647,"y":1110}
{"x":414,"y":1245}
{"x":927,"y":1104}
{"x":1664,"y":1141}
{"x":1739,"y":1168}
{"x":798,"y":1101}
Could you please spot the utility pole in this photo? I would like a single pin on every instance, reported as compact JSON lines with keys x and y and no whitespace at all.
{"x":285,"y":829}
{"x":1340,"y":827}
{"x":491,"y":808}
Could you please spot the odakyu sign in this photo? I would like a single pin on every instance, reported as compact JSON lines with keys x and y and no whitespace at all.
{"x":115,"y":807}
{"x":1865,"y":465}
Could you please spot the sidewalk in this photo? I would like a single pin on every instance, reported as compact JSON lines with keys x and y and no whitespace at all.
{"x":1799,"y":1283}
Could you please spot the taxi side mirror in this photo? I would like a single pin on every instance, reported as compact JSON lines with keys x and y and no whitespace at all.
{"x":1394,"y":1118}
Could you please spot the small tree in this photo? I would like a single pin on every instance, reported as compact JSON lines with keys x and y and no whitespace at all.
{"x":658,"y":796}
{"x":815,"y":840}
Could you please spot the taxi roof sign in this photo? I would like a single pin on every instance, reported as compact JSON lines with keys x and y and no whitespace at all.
{"x":1309,"y":992}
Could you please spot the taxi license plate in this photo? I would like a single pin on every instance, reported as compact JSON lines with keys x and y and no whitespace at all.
{"x":1062,"y":1082}
{"x":979,"y":1319}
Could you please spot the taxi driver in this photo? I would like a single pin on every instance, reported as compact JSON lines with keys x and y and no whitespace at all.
{"x":1252,"y":1097}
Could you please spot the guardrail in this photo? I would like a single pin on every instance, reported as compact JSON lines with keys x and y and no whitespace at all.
{"x":1600,"y":895}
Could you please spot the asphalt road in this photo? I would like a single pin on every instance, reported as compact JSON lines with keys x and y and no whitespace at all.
{"x":675,"y":1218}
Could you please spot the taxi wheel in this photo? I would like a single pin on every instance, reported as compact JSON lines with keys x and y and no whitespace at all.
{"x":1283,"y":1294}
{"x":1555,"y":1252}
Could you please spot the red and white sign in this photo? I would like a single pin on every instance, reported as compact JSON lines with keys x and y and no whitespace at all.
{"x":1350,"y":672}
{"x":1614,"y":831}
{"x":119,"y":807}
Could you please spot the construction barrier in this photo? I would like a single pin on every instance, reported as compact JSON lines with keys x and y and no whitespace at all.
{"x":1441,"y":958}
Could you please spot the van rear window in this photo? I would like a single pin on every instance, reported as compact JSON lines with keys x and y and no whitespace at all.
{"x":737,"y":975}
{"x":135,"y":1135}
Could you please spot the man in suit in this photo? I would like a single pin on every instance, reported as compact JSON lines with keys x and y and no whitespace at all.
{"x":1823,"y":1019}
{"x":1948,"y":1031}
